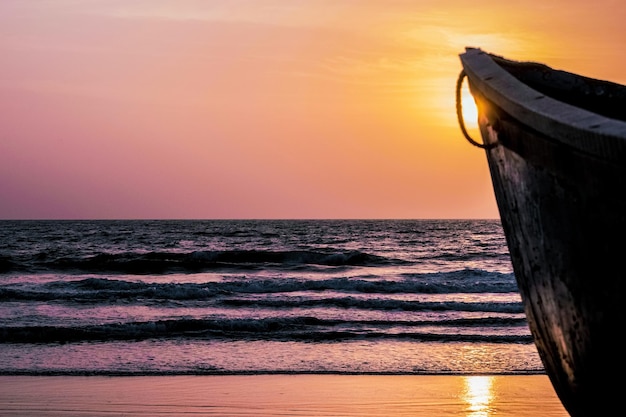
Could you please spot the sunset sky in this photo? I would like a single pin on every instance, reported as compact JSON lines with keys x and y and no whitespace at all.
{"x":264,"y":108}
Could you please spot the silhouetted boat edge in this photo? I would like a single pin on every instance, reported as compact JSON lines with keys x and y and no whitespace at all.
{"x":556,"y":148}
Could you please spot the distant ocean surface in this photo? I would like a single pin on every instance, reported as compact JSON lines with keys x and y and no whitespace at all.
{"x":259,"y":296}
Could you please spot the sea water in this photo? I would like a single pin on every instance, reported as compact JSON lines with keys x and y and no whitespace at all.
{"x":260,"y":296}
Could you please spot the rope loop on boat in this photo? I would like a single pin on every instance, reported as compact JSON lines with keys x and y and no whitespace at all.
{"x":459,"y":114}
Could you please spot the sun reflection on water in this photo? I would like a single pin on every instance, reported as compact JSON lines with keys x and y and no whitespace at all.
{"x":478,"y":395}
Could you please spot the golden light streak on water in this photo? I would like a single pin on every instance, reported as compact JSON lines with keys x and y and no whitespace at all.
{"x":478,"y":395}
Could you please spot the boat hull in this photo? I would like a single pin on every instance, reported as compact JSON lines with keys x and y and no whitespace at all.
{"x":564,"y":216}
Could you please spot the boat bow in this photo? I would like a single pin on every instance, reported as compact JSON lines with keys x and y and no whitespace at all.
{"x":556,"y":148}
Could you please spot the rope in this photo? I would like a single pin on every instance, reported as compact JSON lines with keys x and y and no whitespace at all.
{"x":459,"y":114}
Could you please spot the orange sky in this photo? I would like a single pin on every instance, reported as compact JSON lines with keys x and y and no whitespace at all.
{"x":264,"y":108}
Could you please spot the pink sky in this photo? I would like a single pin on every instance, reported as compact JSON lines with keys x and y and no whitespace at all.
{"x":263,"y":108}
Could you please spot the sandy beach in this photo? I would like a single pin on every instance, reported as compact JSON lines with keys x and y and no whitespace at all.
{"x":280,"y":395}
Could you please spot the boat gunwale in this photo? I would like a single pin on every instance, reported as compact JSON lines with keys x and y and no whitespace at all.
{"x":573,"y":126}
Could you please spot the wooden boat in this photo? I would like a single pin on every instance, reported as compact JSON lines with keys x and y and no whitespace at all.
{"x":556,"y":149}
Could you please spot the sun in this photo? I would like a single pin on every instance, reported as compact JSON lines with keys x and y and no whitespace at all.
{"x":470,"y":110}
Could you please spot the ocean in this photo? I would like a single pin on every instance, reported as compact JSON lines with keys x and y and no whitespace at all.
{"x":169,"y":297}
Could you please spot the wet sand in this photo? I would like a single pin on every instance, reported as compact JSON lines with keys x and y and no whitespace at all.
{"x":280,"y":395}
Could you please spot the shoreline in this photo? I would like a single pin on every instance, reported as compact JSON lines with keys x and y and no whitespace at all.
{"x":271,"y":395}
{"x":135,"y":373}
